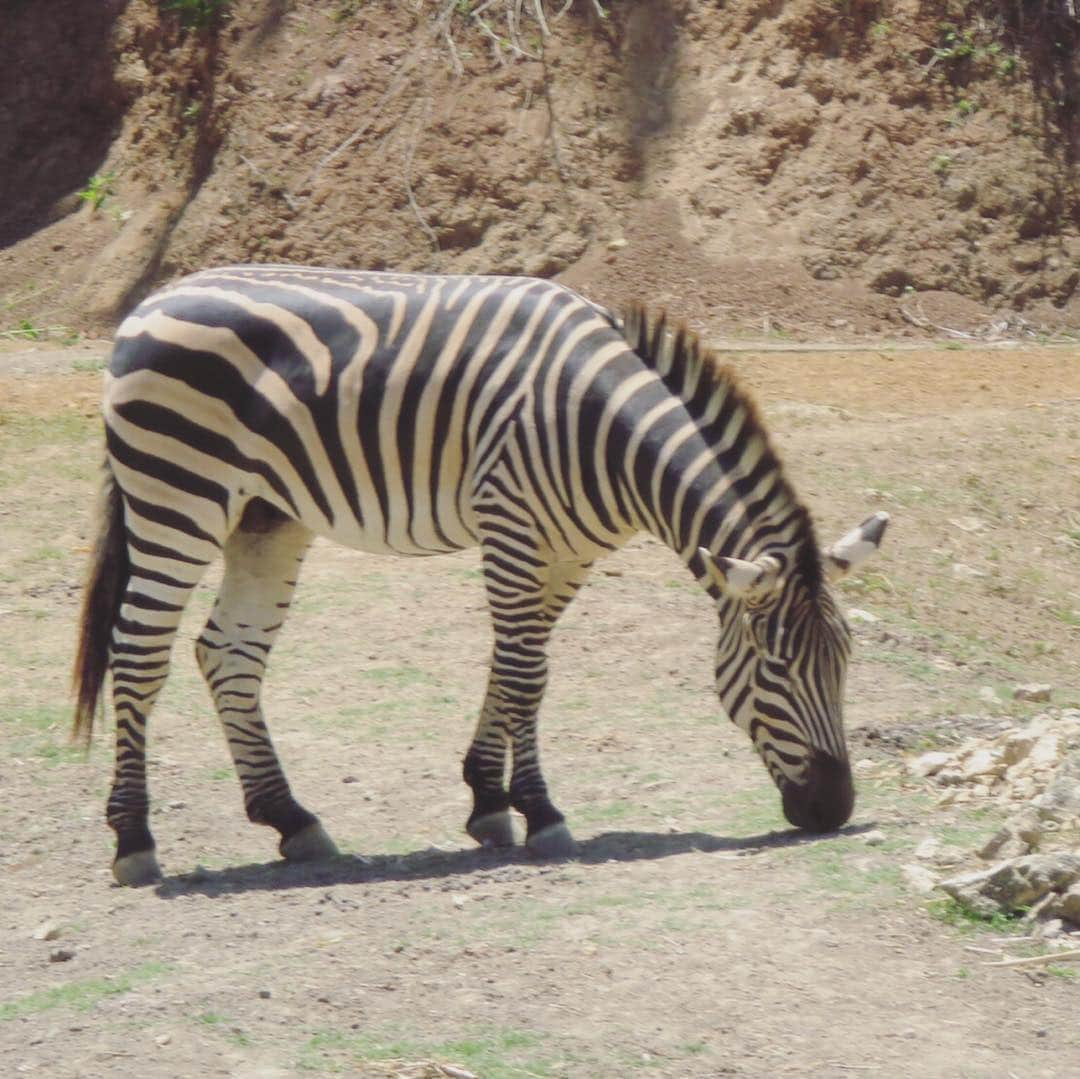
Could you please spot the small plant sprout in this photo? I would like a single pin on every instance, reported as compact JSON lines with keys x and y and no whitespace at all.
{"x":98,"y":189}
{"x":197,"y":14}
{"x":941,"y":164}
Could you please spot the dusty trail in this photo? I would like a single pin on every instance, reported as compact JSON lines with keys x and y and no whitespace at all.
{"x":696,"y":936}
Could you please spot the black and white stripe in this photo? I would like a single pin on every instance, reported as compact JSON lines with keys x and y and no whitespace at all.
{"x":248,"y":409}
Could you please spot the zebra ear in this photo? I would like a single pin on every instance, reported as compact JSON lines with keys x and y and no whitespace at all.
{"x":737,"y":578}
{"x":854,"y":548}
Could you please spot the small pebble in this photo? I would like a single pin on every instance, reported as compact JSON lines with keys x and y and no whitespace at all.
{"x":61,"y":955}
{"x":1034,"y":691}
{"x":47,"y":931}
{"x":874,"y":838}
{"x":264,"y":994}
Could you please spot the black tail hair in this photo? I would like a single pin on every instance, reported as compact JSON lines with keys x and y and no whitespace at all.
{"x":110,"y":571}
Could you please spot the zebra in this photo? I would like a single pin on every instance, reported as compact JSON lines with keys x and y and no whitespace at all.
{"x":248,"y":409}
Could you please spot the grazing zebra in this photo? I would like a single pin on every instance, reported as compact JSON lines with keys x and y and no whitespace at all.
{"x":248,"y":409}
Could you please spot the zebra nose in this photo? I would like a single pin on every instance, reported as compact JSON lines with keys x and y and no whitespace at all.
{"x":824,"y":801}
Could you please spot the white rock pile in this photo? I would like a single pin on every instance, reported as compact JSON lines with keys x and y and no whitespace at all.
{"x":1036,"y":854}
{"x":1016,"y":766}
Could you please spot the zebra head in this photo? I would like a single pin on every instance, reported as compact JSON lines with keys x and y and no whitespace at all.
{"x":780,"y":667}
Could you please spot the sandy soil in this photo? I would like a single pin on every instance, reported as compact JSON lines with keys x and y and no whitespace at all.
{"x":696,"y":936}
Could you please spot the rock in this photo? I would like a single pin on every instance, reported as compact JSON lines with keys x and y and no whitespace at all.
{"x":988,"y":696}
{"x":47,"y":931}
{"x":929,"y":764}
{"x":968,"y":524}
{"x":1060,"y":802}
{"x":1068,"y":906}
{"x":918,"y":878}
{"x":163,"y":1039}
{"x":617,"y":244}
{"x":1046,"y":752}
{"x":856,"y":614}
{"x":963,"y":572}
{"x":874,"y":838}
{"x":1027,"y":825}
{"x":983,"y":762}
{"x":1014,"y":885}
{"x":1033,"y":691}
{"x":1022,"y":789}
{"x":61,"y":955}
{"x":1016,"y":746}
{"x":928,"y":849}
{"x":1004,"y":844}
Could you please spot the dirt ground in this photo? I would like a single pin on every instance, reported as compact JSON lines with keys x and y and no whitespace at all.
{"x":696,"y":935}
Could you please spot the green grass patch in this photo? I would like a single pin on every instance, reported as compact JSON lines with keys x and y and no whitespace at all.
{"x":397,"y":676}
{"x":494,"y":1054}
{"x":81,"y":995}
{"x":1056,"y":970}
{"x":225,"y":1026}
{"x":41,"y":732}
{"x":35,"y":432}
{"x":955,"y":914}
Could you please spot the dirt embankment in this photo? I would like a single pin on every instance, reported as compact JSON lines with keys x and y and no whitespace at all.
{"x":803,"y":167}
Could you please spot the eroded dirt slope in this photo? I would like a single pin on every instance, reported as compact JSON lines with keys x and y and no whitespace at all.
{"x":754,"y":166}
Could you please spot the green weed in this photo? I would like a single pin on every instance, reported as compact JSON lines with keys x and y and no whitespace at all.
{"x":1056,"y":970}
{"x":24,"y":330}
{"x":231,"y":1032}
{"x":487,"y":1053}
{"x":345,"y":10}
{"x":81,"y":995}
{"x":955,"y":44}
{"x":197,"y":14}
{"x":397,"y":676}
{"x":955,"y":914}
{"x":98,"y":190}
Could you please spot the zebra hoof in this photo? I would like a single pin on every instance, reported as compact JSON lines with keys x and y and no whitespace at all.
{"x":492,"y":830}
{"x":137,"y":870}
{"x":554,"y":841}
{"x":310,"y":844}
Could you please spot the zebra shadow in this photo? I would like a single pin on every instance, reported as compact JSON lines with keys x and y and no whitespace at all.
{"x":434,"y":864}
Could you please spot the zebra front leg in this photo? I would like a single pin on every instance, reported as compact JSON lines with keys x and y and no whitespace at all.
{"x":262,"y":562}
{"x":485,"y":767}
{"x":526,"y":596}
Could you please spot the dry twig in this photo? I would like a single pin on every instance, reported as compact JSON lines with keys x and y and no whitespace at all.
{"x":1038,"y":960}
{"x":429,"y":232}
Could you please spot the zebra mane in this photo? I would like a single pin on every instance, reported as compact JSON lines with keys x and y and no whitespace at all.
{"x":714,"y":396}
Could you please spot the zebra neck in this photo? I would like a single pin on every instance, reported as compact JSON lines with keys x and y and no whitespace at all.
{"x":702,"y":471}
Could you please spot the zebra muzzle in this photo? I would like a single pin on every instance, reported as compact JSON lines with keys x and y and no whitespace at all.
{"x":824,"y":801}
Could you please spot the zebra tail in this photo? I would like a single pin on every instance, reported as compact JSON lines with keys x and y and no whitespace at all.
{"x":110,"y":571}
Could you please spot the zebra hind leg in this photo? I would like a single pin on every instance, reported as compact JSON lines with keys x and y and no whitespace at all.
{"x":262,"y":563}
{"x":140,"y":656}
